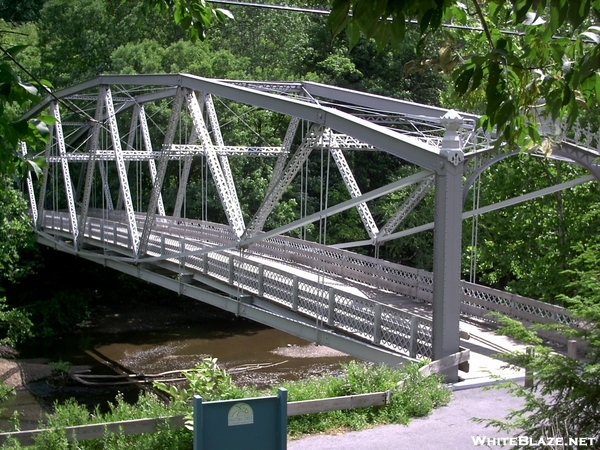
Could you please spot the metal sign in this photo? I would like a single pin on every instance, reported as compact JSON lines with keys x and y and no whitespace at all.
{"x":244,"y":424}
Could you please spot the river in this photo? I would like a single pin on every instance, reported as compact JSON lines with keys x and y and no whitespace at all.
{"x":151,"y":349}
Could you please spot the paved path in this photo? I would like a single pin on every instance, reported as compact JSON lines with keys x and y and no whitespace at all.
{"x":448,"y":428}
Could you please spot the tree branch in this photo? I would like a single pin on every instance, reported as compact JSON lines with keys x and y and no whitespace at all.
{"x":484,"y":25}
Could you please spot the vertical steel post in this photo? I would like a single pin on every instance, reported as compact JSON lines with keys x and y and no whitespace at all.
{"x":231,"y":269}
{"x":331,"y":308}
{"x":261,"y":280}
{"x":447,"y":245}
{"x":377,"y":323}
{"x":413,"y":344}
{"x":44,"y":185}
{"x":295,"y":293}
{"x":89,"y":177}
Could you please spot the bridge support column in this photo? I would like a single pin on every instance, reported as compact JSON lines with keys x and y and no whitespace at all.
{"x":447,"y":246}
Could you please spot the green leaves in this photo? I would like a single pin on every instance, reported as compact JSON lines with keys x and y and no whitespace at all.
{"x":534,"y":62}
{"x":193,"y":16}
{"x":384,"y":21}
{"x":339,"y":17}
{"x":206,"y":379}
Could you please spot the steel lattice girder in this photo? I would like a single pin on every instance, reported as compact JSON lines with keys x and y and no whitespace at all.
{"x":274,"y":195}
{"x":123,"y":181}
{"x":363,"y":210}
{"x":392,"y":141}
{"x":60,"y":144}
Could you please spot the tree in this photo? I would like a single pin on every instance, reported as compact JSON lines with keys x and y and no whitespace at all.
{"x":564,"y":401}
{"x":526,"y":248}
{"x":193,"y":16}
{"x":535,"y":60}
{"x":15,"y":239}
{"x":16,"y":96}
{"x":20,"y":11}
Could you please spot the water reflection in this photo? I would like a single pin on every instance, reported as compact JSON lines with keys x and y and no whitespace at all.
{"x":234,"y":342}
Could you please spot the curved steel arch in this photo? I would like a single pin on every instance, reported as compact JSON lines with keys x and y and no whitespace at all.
{"x":584,"y":157}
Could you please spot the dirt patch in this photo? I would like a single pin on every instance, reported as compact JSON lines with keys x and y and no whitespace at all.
{"x":19,"y":373}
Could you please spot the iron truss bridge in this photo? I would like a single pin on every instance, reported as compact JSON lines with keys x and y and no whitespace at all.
{"x":91,"y":202}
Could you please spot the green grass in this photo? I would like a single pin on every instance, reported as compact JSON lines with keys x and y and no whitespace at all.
{"x":416,"y":397}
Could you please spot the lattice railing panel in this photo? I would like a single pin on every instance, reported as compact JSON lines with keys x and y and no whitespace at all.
{"x":313,"y":299}
{"x":395,"y":331}
{"x":218,"y":266}
{"x":354,"y":315}
{"x":478,"y":301}
{"x":423,"y":345}
{"x":389,"y":276}
{"x":417,"y":284}
{"x":278,"y":287}
{"x":245,"y":275}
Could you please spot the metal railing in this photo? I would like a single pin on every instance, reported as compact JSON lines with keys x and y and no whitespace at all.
{"x":371,"y":321}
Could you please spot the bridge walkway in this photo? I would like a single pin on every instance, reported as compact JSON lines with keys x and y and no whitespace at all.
{"x":373,"y":303}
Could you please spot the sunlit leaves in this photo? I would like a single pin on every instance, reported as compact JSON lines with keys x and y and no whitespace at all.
{"x":382,"y":20}
{"x":535,"y":59}
{"x":193,"y":16}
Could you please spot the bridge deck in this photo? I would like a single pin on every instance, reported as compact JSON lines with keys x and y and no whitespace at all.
{"x":373,"y":303}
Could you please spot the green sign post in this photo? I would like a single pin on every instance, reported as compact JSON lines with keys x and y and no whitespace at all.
{"x":244,"y":424}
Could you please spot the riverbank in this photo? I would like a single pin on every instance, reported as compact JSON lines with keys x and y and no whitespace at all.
{"x":131,"y":336}
{"x":18,"y":373}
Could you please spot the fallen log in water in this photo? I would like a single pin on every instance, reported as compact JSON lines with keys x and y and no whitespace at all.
{"x":143,"y":378}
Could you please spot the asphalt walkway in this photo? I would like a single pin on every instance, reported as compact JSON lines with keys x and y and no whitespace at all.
{"x":448,"y":428}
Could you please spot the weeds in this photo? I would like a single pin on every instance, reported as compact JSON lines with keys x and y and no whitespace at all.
{"x":6,"y":391}
{"x":412,"y":396}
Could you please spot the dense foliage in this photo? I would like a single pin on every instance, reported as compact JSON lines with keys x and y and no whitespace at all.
{"x":563,"y":402}
{"x":534,"y":60}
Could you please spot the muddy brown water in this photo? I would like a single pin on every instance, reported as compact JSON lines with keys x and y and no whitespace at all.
{"x":149,"y":351}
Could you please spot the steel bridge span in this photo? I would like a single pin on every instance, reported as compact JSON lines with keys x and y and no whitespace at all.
{"x":86,"y":205}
